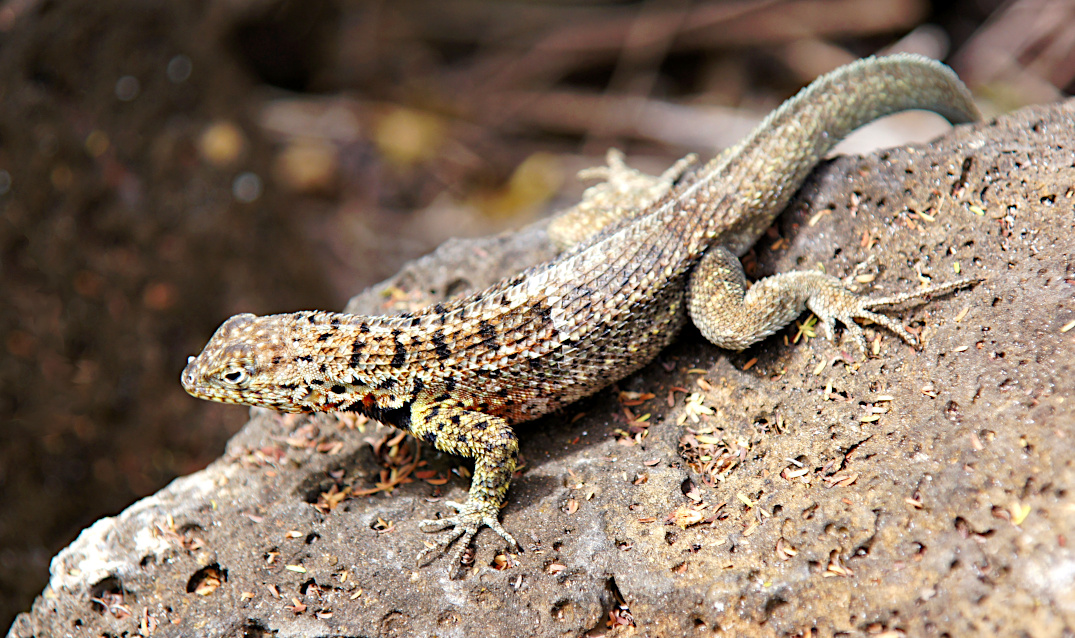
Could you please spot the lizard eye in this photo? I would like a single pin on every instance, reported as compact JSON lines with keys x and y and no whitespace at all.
{"x":236,"y":377}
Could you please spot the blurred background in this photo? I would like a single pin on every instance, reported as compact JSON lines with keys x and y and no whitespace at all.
{"x":167,"y":163}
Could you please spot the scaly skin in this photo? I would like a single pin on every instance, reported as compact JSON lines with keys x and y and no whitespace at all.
{"x":643,"y":254}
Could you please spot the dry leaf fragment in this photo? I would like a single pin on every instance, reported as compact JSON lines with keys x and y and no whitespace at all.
{"x":684,"y":516}
{"x":554,"y":568}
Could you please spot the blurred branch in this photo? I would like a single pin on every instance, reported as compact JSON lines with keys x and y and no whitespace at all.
{"x":1024,"y":53}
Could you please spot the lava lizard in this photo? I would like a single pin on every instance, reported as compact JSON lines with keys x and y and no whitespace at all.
{"x":640,"y":256}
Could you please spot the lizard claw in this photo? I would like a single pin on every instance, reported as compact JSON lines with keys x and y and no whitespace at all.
{"x":834,"y":303}
{"x":469,"y":518}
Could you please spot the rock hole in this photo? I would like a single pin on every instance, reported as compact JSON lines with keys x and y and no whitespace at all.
{"x":253,"y":628}
{"x":206,"y":580}
{"x":962,"y":527}
{"x":774,"y":603}
{"x":311,"y":537}
{"x":563,"y":610}
{"x":107,"y":596}
{"x":619,"y":613}
{"x":456,"y":287}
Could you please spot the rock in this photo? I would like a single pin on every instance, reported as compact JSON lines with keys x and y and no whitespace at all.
{"x":926,"y":492}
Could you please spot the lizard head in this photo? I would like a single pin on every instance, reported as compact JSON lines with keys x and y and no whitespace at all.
{"x":247,"y":361}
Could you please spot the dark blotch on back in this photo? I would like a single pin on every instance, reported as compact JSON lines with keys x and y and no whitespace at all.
{"x":400,"y":357}
{"x":356,"y":350}
{"x":543,"y":312}
{"x":439,"y":346}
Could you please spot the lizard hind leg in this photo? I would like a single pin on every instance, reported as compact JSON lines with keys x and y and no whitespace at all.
{"x":730,"y":316}
{"x":495,"y":450}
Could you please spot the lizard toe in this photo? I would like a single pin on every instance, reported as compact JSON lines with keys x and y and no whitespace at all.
{"x":468,"y":519}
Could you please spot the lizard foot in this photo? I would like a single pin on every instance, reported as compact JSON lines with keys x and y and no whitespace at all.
{"x":469,"y":518}
{"x":835,"y":303}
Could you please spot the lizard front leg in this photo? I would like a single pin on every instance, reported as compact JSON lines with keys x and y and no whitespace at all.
{"x":624,"y":193}
{"x":495,"y":449}
{"x":733,"y":317}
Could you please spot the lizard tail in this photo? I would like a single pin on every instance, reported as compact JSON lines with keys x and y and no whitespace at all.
{"x":807,"y":126}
